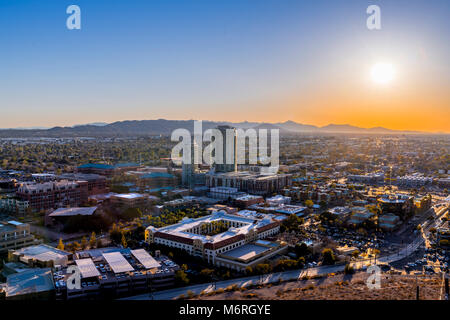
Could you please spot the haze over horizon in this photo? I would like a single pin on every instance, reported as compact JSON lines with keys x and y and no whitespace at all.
{"x":236,"y":60}
{"x":102,"y":123}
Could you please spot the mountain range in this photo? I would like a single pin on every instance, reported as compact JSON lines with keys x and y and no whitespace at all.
{"x":166,"y":127}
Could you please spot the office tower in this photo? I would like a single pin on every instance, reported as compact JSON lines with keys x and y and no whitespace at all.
{"x":229,"y":150}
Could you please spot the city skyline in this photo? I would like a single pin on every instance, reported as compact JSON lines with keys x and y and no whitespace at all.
{"x":311,"y":63}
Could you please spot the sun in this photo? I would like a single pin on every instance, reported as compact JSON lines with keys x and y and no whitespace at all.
{"x":383,"y":73}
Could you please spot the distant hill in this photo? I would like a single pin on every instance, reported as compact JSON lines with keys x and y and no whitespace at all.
{"x":297,"y":127}
{"x":98,"y":124}
{"x":166,"y":127}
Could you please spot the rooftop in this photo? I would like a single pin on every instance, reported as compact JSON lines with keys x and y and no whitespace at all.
{"x":340,"y":210}
{"x":128,"y":195}
{"x":67,"y":212}
{"x":42,"y":252}
{"x":246,"y":252}
{"x":96,"y":166}
{"x":145,"y":259}
{"x":29,"y":281}
{"x":117,"y":262}
{"x":247,"y":223}
{"x":247,"y":175}
{"x":157,"y":175}
{"x":87,"y":268}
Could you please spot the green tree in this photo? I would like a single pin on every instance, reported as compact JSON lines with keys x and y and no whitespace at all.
{"x":302,"y":250}
{"x":328,"y":257}
{"x":292,"y":223}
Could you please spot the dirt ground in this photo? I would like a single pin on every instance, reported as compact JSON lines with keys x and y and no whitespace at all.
{"x":339,"y":287}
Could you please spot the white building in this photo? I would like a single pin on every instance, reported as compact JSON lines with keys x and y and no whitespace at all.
{"x":196,"y":237}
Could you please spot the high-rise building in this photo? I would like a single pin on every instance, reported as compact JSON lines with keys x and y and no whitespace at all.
{"x":190,"y":169}
{"x":229,"y":151}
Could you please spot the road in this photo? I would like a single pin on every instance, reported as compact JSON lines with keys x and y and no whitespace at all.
{"x":287,"y":275}
{"x":274,"y":277}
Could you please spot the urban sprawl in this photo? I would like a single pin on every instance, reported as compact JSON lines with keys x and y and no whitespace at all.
{"x":138,"y":226}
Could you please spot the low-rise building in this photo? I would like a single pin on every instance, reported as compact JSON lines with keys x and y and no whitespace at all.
{"x":14,"y":205}
{"x":278,"y":200}
{"x":250,"y":182}
{"x":32,"y":284}
{"x":156,"y":180}
{"x":15,"y":235}
{"x":107,"y":169}
{"x":359,"y":215}
{"x":248,"y":200}
{"x":61,"y":215}
{"x":41,"y":255}
{"x":130,"y":200}
{"x":209,"y":236}
{"x":388,"y":221}
{"x":413,"y":181}
{"x":225,"y":193}
{"x":399,"y":204}
{"x":250,"y":255}
{"x":109,"y":273}
{"x":341,"y":213}
{"x":96,"y":184}
{"x":51,"y":195}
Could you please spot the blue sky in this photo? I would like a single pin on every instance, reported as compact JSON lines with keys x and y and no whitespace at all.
{"x":256,"y":60}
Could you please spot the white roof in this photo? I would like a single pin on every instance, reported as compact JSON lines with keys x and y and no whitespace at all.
{"x":29,"y":281}
{"x":117,"y":262}
{"x":246,"y":252}
{"x":66,"y":212}
{"x":15,"y":223}
{"x":87,"y":268}
{"x":145,"y":259}
{"x":43,"y":252}
{"x":246,"y":223}
{"x":129,"y":195}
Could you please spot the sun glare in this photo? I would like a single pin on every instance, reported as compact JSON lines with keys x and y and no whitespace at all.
{"x":383,"y":73}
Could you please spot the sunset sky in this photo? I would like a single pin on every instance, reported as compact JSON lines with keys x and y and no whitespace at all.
{"x":257,"y":60}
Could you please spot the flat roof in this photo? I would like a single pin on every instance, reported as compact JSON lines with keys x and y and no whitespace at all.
{"x":117,"y":262}
{"x":29,"y":281}
{"x":66,"y":212}
{"x":246,"y":252}
{"x":129,"y":195}
{"x":87,"y":268}
{"x":145,"y":259}
{"x":42,"y":252}
{"x":246,"y":223}
{"x":15,"y":223}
